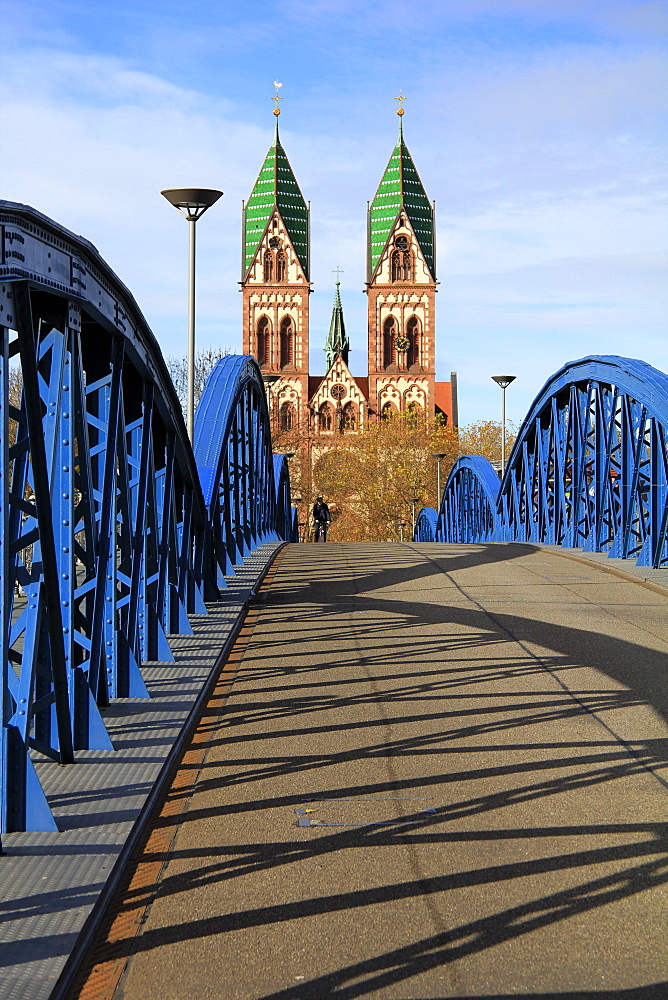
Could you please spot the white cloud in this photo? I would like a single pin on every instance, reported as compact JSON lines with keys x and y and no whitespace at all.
{"x":545,"y":165}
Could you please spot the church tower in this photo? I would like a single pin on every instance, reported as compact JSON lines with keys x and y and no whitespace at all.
{"x":401,"y":289}
{"x":275,"y":284}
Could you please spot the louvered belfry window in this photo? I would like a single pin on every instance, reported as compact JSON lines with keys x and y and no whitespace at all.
{"x":401,"y":263}
{"x":263,"y":341}
{"x":389,"y":335}
{"x":413,"y":334}
{"x":286,"y":338}
{"x":268,"y":266}
{"x":281,"y":266}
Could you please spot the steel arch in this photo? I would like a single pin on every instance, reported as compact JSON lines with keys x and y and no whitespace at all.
{"x":425,"y":526}
{"x":468,"y":510}
{"x":589,"y":468}
{"x":287,"y":522}
{"x":233,"y":453}
{"x":106,"y":544}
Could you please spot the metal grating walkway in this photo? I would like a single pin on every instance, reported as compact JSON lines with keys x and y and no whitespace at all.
{"x":49,"y":882}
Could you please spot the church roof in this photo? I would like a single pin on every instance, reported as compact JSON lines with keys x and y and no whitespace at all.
{"x":276,"y":187}
{"x":337,"y":341}
{"x":400,"y":188}
{"x":443,"y":398}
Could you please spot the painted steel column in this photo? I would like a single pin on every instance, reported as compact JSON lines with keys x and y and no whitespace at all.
{"x":5,"y":583}
{"x":190,"y":414}
{"x":28,"y":348}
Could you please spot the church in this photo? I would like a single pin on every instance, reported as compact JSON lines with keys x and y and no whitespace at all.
{"x":401,"y":293}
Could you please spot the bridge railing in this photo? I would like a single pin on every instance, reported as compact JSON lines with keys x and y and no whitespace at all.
{"x":107,"y":539}
{"x":589,"y":468}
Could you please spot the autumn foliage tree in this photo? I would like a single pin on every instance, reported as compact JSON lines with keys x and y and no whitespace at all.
{"x":368,"y":477}
{"x":484,"y":438}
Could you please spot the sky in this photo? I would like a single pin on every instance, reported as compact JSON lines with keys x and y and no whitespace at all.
{"x":537,"y":126}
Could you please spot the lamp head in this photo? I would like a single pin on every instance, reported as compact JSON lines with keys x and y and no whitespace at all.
{"x":191,"y":202}
{"x":504,"y":380}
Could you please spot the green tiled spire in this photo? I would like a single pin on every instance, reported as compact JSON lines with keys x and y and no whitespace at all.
{"x":276,"y":187}
{"x":400,"y":188}
{"x":337,"y":341}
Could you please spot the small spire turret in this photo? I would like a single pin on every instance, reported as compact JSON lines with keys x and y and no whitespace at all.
{"x":337,"y":341}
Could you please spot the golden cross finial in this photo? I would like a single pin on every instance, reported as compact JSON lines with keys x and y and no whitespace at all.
{"x":400,"y":98}
{"x":338,"y":272}
{"x":277,"y":110}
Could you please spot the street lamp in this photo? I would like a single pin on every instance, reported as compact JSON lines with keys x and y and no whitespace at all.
{"x":412,"y":501}
{"x":438,"y":456}
{"x":192,"y":203}
{"x":504,"y":381}
{"x":402,"y":525}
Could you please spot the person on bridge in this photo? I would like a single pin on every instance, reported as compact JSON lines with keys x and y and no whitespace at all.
{"x":322,"y":519}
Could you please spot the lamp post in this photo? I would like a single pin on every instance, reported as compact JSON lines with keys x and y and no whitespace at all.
{"x":192,"y":203}
{"x":402,"y":525}
{"x":504,"y":381}
{"x":412,"y":501}
{"x":439,"y":456}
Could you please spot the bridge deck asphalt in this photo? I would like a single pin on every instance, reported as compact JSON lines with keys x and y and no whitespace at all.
{"x":438,"y":774}
{"x":50,"y":882}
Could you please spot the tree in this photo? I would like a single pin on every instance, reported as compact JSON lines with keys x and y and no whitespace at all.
{"x":484,"y":438}
{"x":370,"y":477}
{"x":367,"y":477}
{"x":15,"y":379}
{"x":205,"y":361}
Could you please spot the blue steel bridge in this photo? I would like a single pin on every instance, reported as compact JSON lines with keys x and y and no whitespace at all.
{"x":116,"y":534}
{"x":115,"y":529}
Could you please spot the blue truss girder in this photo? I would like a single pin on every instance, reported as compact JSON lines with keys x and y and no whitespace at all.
{"x":468,"y":504}
{"x":589,"y":468}
{"x":107,"y":542}
{"x":233,"y":451}
{"x":425,"y":525}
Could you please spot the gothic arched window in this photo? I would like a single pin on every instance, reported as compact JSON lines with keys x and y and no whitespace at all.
{"x":389,"y":335}
{"x":413,"y":334}
{"x":401,"y":263}
{"x":388,"y":411}
{"x":263,"y":341}
{"x":268,"y":266}
{"x":414,"y":412}
{"x":326,"y":417}
{"x":286,"y":342}
{"x":349,"y":420}
{"x":286,"y":417}
{"x":281,"y":265}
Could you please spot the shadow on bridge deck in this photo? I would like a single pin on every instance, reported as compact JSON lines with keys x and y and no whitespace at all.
{"x":438,"y":774}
